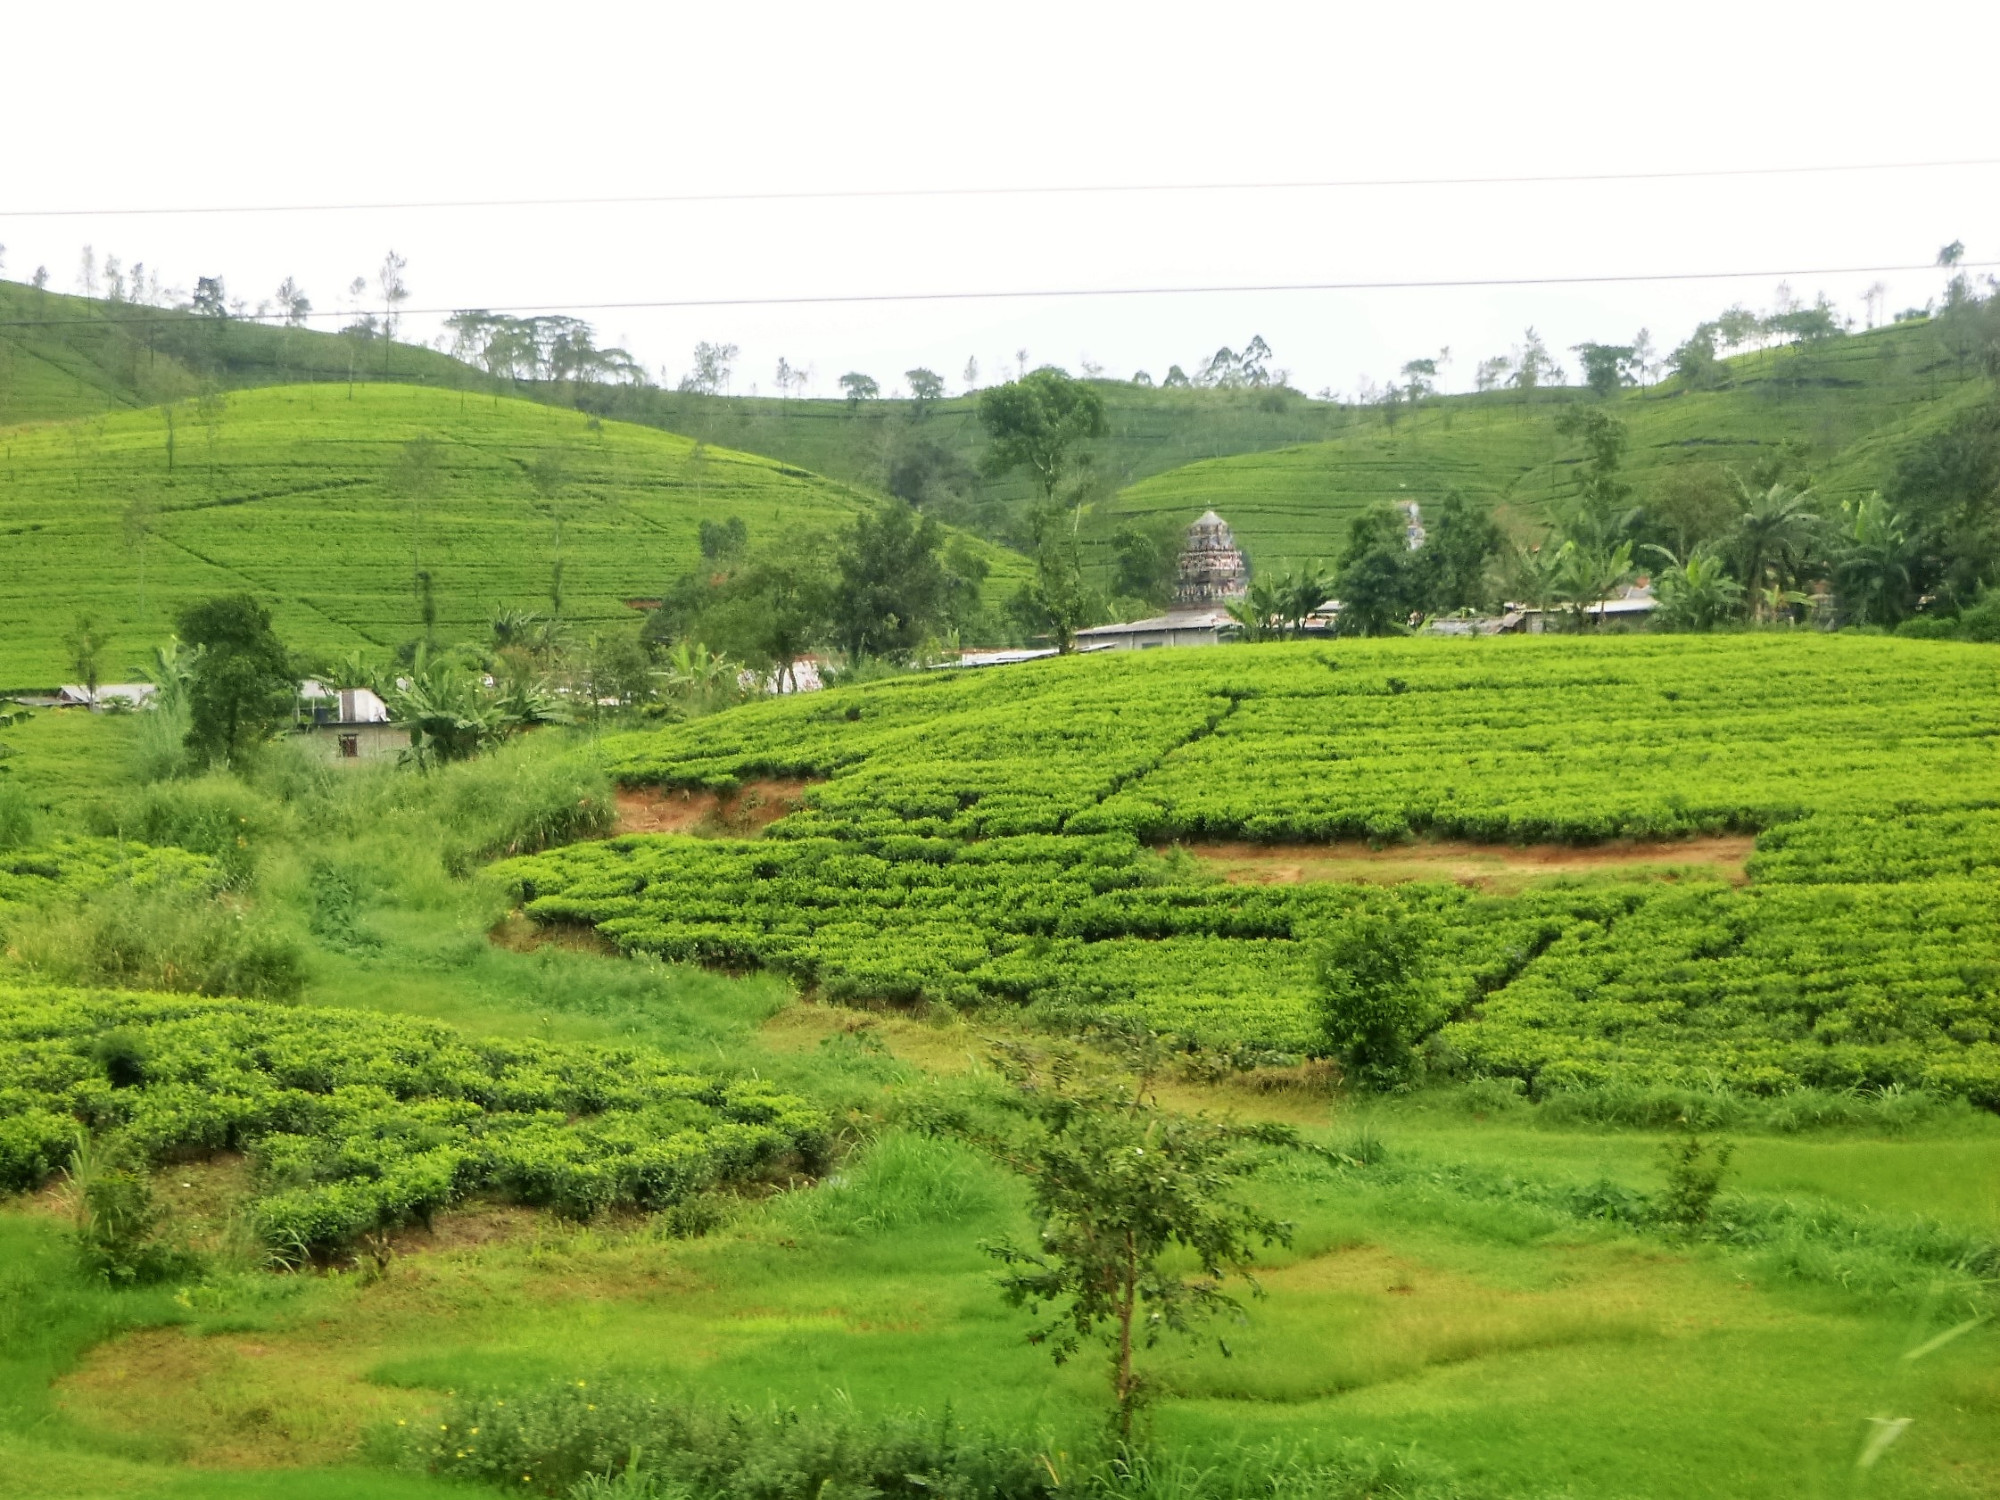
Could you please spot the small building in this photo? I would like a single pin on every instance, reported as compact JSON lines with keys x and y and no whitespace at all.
{"x":1628,"y":608}
{"x":348,"y":724}
{"x":1177,"y":627}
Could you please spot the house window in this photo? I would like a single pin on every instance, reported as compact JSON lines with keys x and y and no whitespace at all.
{"x":350,"y":747}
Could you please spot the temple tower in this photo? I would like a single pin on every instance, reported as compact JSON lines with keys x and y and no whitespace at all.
{"x":1212,"y":569}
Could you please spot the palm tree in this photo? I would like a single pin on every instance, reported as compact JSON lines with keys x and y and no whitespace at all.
{"x":1774,"y":532}
{"x":1261,"y":612}
{"x":1300,"y":594}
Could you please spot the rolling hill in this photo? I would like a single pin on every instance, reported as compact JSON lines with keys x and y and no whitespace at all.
{"x":63,"y":356}
{"x":1840,"y":412}
{"x":304,"y":496}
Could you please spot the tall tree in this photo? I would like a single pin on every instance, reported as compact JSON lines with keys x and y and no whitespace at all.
{"x":1607,"y":368}
{"x":1774,"y":533}
{"x":926,"y":386}
{"x":892,"y":586}
{"x":859,"y":387}
{"x":85,"y":642}
{"x":242,"y":682}
{"x":1041,"y":422}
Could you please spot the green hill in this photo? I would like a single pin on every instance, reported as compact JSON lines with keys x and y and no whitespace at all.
{"x":932,"y":456}
{"x":63,"y":356}
{"x":302,"y":495}
{"x":1840,"y":411}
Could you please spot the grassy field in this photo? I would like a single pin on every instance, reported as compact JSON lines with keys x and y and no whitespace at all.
{"x":294,"y":493}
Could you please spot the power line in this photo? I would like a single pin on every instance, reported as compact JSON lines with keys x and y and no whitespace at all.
{"x":827,"y":195}
{"x":1030,"y":294}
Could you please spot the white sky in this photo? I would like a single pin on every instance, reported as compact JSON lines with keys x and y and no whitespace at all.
{"x":117,"y":105}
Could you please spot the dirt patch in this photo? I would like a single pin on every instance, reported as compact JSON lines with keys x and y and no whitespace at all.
{"x":1488,"y":866}
{"x":743,"y":813}
{"x":519,"y":933}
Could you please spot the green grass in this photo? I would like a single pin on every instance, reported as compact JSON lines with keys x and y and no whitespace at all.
{"x":292,"y":494}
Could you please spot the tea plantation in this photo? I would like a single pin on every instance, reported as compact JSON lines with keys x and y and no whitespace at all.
{"x":982,"y":837}
{"x":307,"y":496}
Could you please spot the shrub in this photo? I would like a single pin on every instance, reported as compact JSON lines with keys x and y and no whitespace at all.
{"x":113,"y":1215}
{"x":17,"y":817}
{"x":1371,"y":1002}
{"x":562,"y":1435}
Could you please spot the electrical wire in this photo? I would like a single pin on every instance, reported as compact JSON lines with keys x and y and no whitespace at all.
{"x":1029,"y":294}
{"x":827,"y":195}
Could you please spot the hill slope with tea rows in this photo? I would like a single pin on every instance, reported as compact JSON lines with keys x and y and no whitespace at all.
{"x":302,"y":495}
{"x":1843,"y":411}
{"x":987,"y":837}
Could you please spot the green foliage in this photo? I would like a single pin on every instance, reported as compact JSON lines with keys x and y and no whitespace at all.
{"x":357,"y":1122}
{"x":157,"y":939}
{"x":1694,"y":1169}
{"x":1697,"y":594}
{"x":1372,"y":1002}
{"x":893,"y":588}
{"x":572,"y":1432}
{"x":1039,"y":423}
{"x":1118,"y":1183}
{"x":242,"y":683}
{"x":114,"y":1219}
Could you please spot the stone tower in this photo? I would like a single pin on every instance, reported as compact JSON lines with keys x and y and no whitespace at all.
{"x":1212,"y":570}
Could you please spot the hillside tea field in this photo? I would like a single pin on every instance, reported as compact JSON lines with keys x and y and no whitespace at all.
{"x":981,"y":836}
{"x":300,"y":495}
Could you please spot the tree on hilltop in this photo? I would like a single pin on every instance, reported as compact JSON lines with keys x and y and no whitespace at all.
{"x":926,"y":386}
{"x":859,"y":387}
{"x":1040,"y":422}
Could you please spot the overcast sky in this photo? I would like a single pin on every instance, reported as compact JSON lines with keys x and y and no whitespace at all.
{"x":117,"y":106}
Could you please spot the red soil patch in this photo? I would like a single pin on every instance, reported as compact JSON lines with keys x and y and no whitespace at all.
{"x":746,"y":811}
{"x":1484,"y":865}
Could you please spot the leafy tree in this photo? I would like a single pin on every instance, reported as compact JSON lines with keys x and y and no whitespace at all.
{"x":926,"y":386}
{"x":1260,"y":612}
{"x":859,"y":387}
{"x":1116,"y":1185}
{"x":1607,"y":367}
{"x":1601,"y":509}
{"x":1695,"y":594}
{"x":1301,"y":593}
{"x":1696,"y":362}
{"x":723,"y":542}
{"x":1146,"y":562}
{"x":1420,"y":379}
{"x":712,"y":364}
{"x":891,"y":582}
{"x":1490,"y":374}
{"x":85,"y":643}
{"x":1460,"y":544}
{"x":1057,"y":601}
{"x":928,"y":475}
{"x":1947,"y":486}
{"x":1040,"y":422}
{"x":210,"y":300}
{"x":1379,"y":581}
{"x":1690,"y":506}
{"x":1534,"y":366}
{"x":1373,"y":1003}
{"x":772,"y":610}
{"x":242,"y":683}
{"x":1177,"y":379}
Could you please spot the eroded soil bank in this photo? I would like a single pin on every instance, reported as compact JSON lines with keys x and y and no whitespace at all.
{"x":1489,"y":866}
{"x":745,"y":812}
